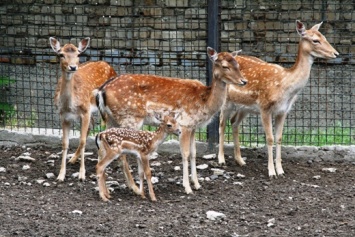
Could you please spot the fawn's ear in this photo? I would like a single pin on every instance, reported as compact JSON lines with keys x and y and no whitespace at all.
{"x":54,"y":44}
{"x":158,"y":116}
{"x":84,"y":44}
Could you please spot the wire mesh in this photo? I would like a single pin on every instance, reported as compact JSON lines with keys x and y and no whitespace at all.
{"x":169,"y":38}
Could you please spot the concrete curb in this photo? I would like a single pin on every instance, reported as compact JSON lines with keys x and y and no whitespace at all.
{"x":325,"y":153}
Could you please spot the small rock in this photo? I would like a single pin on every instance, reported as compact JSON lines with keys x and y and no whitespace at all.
{"x":46,"y":184}
{"x":238,"y":183}
{"x":112,"y":183}
{"x":77,"y":212}
{"x":26,"y":158}
{"x":40,"y":181}
{"x":26,"y":154}
{"x":217,"y":171}
{"x":213,"y":177}
{"x":50,"y":175}
{"x":202,"y":167}
{"x":153,"y":156}
{"x":176,"y":168}
{"x":53,"y":156}
{"x":316,"y":177}
{"x":209,"y":157}
{"x":271,"y":222}
{"x":154,"y":180}
{"x":213,"y":215}
{"x":241,"y":176}
{"x":155,"y":163}
{"x":2,"y":170}
{"x":75,"y":175}
{"x":26,"y":167}
{"x":330,"y":170}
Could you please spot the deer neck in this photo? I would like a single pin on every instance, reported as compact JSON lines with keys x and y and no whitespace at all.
{"x":159,"y":136}
{"x":216,"y":94}
{"x":299,"y":73}
{"x":66,"y":89}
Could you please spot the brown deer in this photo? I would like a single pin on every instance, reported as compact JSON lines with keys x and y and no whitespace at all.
{"x":73,"y":95}
{"x":128,"y":100}
{"x":271,"y":92}
{"x":116,"y":141}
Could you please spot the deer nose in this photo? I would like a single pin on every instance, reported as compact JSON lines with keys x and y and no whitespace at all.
{"x":73,"y":68}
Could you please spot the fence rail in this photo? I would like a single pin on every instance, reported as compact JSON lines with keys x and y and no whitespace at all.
{"x":170,"y":38}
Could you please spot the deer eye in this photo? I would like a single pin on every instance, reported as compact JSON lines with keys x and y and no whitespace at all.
{"x":225,"y":67}
{"x":316,"y":42}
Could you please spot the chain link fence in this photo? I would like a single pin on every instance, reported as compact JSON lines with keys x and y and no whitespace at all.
{"x":170,"y":38}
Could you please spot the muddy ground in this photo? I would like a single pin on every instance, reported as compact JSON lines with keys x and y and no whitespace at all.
{"x":308,"y":201}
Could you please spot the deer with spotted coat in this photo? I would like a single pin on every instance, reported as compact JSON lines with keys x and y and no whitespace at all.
{"x":73,"y":95}
{"x":127,"y":100}
{"x":271,"y":92}
{"x":116,"y":141}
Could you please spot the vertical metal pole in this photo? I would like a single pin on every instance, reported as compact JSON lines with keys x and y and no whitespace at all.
{"x":212,"y":41}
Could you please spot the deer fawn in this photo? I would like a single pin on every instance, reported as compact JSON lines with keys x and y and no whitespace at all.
{"x":116,"y":141}
{"x":271,"y":91}
{"x":127,"y":100}
{"x":74,"y":97}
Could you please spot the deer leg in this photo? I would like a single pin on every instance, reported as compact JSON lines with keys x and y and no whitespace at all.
{"x":100,"y":169}
{"x":235,"y":121}
{"x":185,"y":146}
{"x":148,"y":176}
{"x":279,"y":124}
{"x":65,"y":146}
{"x":85,"y":123}
{"x":193,"y":160}
{"x":129,"y":179}
{"x":222,"y":127}
{"x":141,"y":177}
{"x":266,"y":119}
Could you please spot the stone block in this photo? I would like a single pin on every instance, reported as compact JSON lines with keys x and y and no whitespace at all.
{"x":124,"y":3}
{"x":176,"y":3}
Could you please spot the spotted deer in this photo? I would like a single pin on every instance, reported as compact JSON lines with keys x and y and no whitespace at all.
{"x":128,"y":100}
{"x":271,"y":92}
{"x":116,"y":141}
{"x":73,"y":95}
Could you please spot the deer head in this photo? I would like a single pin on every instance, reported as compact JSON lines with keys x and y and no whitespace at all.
{"x":314,"y":42}
{"x":69,"y":53}
{"x":225,"y":64}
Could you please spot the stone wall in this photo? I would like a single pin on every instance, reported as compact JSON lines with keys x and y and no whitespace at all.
{"x":170,"y":38}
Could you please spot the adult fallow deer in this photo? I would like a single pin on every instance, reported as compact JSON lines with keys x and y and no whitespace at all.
{"x":73,"y":96}
{"x":128,"y":100}
{"x":271,"y":91}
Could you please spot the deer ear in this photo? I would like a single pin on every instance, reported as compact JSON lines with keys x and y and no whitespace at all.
{"x":54,"y":44}
{"x":84,"y":44}
{"x":158,"y":116}
{"x":317,"y":26}
{"x":235,"y":53}
{"x":212,"y":54}
{"x":301,"y":29}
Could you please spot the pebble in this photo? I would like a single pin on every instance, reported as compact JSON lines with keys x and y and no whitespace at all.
{"x":202,"y":167}
{"x":26,"y":167}
{"x":77,"y":212}
{"x":50,"y":175}
{"x":46,"y":184}
{"x":217,"y":171}
{"x":26,"y":158}
{"x":209,"y":157}
{"x":213,"y":215}
{"x":176,"y":168}
{"x":2,"y":170}
{"x":155,"y":180}
{"x":330,"y":170}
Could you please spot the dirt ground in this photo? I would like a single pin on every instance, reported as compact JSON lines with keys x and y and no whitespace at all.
{"x":308,"y":201}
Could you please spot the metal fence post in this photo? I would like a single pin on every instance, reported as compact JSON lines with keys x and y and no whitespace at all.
{"x":212,"y":41}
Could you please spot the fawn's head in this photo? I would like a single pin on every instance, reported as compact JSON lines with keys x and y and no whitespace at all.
{"x":226,"y":67}
{"x":314,"y":42}
{"x":169,"y":123}
{"x":69,"y":53}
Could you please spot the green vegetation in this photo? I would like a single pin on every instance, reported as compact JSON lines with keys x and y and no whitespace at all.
{"x":7,"y":111}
